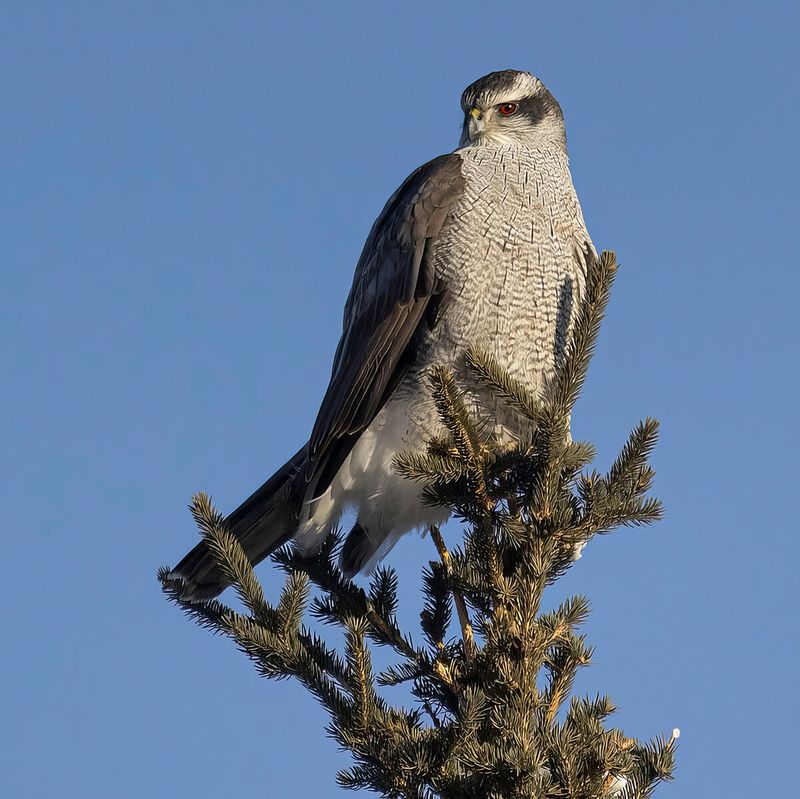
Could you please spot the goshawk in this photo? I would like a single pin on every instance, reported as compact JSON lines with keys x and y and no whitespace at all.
{"x":485,"y":247}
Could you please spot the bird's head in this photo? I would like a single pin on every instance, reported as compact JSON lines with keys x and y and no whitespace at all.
{"x":511,"y":108}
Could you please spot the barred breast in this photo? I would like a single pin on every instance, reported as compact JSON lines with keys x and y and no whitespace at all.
{"x":512,"y":257}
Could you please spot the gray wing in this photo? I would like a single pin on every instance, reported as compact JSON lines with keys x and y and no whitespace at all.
{"x":393,"y":287}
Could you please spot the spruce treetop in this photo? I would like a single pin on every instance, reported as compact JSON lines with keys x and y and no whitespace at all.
{"x":494,"y":714}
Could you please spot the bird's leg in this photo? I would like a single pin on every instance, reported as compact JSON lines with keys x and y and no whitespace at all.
{"x":461,"y":607}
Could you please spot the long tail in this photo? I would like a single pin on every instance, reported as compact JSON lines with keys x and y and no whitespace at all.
{"x":263,"y":522}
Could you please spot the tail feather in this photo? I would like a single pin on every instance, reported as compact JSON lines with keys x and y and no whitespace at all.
{"x":263,"y":522}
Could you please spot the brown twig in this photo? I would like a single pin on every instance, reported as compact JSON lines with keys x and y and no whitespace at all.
{"x":470,"y":648}
{"x":401,"y":646}
{"x":555,"y":702}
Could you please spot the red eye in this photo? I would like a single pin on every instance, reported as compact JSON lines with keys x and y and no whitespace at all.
{"x":507,"y":109}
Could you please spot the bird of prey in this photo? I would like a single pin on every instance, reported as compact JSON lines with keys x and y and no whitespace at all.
{"x":484,"y":247}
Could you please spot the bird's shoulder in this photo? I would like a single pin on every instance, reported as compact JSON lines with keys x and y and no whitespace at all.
{"x":392,"y":260}
{"x":416,"y":209}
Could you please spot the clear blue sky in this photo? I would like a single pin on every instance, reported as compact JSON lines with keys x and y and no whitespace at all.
{"x":186,"y":187}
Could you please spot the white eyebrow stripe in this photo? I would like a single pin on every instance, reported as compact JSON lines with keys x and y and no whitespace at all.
{"x":523,"y":89}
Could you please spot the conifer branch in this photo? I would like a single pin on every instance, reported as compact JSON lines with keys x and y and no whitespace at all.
{"x":467,"y":635}
{"x":488,"y":372}
{"x":500,"y":723}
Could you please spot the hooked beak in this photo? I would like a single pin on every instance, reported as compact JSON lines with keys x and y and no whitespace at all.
{"x":476,"y":124}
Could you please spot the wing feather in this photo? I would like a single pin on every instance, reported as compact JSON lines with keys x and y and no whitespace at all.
{"x":394,"y":282}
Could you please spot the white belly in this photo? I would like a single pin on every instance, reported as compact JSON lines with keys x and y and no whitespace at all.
{"x":387,"y":505}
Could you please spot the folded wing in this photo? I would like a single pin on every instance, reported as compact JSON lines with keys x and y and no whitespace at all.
{"x":394,"y":284}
